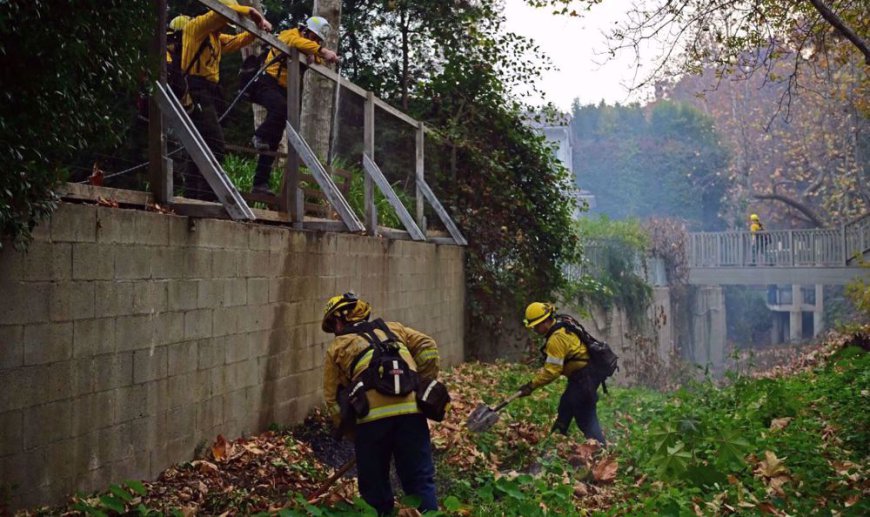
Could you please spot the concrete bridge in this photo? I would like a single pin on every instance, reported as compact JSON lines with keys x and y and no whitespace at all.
{"x":827,"y":256}
{"x":793,"y":265}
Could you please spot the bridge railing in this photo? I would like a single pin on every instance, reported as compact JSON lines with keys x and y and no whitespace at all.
{"x":857,"y":235}
{"x":780,"y":248}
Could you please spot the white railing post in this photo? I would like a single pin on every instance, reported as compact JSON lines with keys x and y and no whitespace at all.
{"x":844,"y":249}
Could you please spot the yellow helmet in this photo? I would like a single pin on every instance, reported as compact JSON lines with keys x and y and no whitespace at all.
{"x":346,"y":306}
{"x":754,"y":217}
{"x":537,"y":312}
{"x":179,"y":22}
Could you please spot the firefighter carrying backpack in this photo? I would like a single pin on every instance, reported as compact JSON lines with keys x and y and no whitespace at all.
{"x":387,"y":372}
{"x":176,"y":78}
{"x":603,"y":361}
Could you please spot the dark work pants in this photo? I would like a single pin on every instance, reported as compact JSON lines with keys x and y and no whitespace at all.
{"x":208,"y":105}
{"x":271,"y":96}
{"x":578,"y":403}
{"x":405,"y":439}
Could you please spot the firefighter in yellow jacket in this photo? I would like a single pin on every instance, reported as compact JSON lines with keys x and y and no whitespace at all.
{"x":757,"y":231}
{"x":202,"y":47}
{"x":270,"y":91}
{"x":565,"y":354}
{"x":391,"y":425}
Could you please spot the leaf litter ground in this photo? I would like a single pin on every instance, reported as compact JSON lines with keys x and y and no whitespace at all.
{"x":276,"y":471}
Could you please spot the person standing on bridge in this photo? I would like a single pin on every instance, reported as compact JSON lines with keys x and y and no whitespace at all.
{"x":202,"y":46}
{"x":755,"y":228}
{"x":371,"y":372}
{"x":270,"y":92}
{"x":565,"y":354}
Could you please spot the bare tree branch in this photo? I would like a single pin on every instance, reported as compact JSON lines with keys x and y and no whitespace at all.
{"x":842,"y":28}
{"x":804,"y":209}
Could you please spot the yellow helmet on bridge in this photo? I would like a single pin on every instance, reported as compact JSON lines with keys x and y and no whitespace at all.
{"x":346,"y":306}
{"x":754,"y":217}
{"x":537,"y":312}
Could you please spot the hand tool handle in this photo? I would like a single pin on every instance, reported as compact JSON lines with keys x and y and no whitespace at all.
{"x":508,"y":401}
{"x":332,"y":479}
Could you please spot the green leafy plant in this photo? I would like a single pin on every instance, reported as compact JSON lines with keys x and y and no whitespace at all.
{"x":118,"y":500}
{"x":858,"y":292}
{"x":613,"y":265}
{"x":75,"y":102}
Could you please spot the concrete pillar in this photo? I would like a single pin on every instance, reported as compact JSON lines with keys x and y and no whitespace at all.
{"x":708,"y":327}
{"x":776,"y":328}
{"x":819,"y":311}
{"x":795,"y":316}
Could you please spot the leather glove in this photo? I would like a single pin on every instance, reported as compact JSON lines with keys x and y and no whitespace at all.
{"x":526,"y":389}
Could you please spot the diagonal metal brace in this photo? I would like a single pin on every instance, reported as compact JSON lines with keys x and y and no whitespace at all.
{"x":333,"y":195}
{"x":205,"y":160}
{"x":458,"y":238}
{"x":380,"y":180}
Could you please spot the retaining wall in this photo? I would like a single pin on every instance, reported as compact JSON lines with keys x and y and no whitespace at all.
{"x":128,"y":338}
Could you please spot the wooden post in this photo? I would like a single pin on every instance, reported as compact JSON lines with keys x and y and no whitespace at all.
{"x":420,"y":176}
{"x":371,"y":213}
{"x":289,"y":201}
{"x":159,"y":166}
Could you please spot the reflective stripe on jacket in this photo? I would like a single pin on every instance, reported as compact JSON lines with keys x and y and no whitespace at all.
{"x":209,"y":26}
{"x":294,"y":39}
{"x":344,"y":349}
{"x":565,"y":354}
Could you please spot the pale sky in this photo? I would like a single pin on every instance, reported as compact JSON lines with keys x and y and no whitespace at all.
{"x":576,"y":47}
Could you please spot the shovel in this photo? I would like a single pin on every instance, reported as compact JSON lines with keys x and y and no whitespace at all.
{"x":331,"y":481}
{"x":484,"y":417}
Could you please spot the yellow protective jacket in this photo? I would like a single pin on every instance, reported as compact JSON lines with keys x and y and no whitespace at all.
{"x":209,"y":26}
{"x":294,"y":39}
{"x":756,"y":227}
{"x":565,"y":354}
{"x":419,"y":351}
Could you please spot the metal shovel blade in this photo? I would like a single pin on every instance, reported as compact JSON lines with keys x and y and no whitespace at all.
{"x":481,"y":419}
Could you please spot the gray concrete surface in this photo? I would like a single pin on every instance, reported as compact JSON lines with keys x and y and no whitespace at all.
{"x":127,"y":337}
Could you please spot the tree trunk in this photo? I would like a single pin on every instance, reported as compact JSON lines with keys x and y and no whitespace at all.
{"x":318,"y":93}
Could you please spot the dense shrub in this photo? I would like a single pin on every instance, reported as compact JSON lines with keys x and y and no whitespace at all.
{"x":67,"y":66}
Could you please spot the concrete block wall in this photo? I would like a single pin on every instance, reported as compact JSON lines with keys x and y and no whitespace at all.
{"x":128,"y":338}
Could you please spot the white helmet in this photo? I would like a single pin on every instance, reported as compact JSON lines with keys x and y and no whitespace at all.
{"x":318,"y":25}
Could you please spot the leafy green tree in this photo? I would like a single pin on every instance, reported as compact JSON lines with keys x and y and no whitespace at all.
{"x":453,"y":66}
{"x":69,"y":69}
{"x":663,"y":160}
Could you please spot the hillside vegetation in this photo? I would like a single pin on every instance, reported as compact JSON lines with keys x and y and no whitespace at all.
{"x":793,"y":440}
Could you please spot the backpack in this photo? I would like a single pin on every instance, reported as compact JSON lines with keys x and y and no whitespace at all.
{"x":175,"y":77}
{"x":387,"y":373}
{"x":603,"y":362}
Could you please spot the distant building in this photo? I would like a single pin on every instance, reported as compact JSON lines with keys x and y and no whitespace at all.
{"x":559,"y":133}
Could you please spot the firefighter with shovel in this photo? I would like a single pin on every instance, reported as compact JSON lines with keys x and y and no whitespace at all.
{"x":566,"y":354}
{"x":385,"y":375}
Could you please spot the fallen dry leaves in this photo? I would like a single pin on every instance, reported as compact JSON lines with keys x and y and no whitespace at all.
{"x":457,"y":447}
{"x":778,"y":424}
{"x":773,"y":472}
{"x":243,"y":476}
{"x":792,"y":360}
